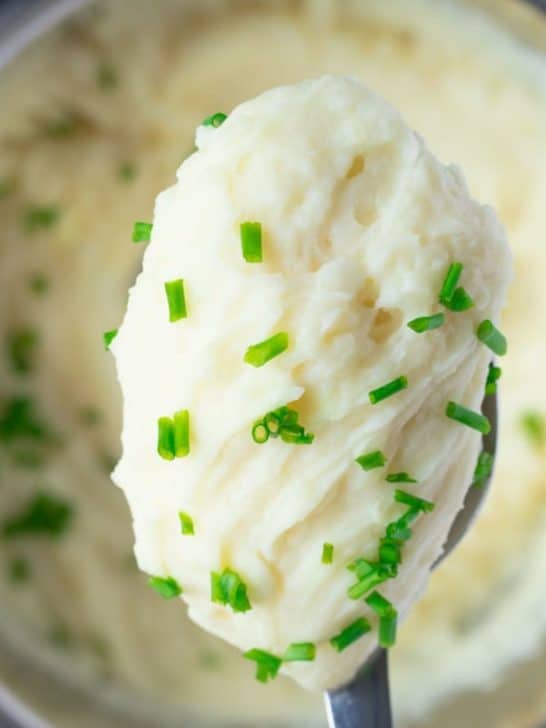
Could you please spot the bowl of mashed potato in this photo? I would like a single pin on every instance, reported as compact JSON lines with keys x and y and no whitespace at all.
{"x":97,"y":114}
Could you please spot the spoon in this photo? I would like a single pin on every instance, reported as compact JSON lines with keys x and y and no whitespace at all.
{"x":365,"y":701}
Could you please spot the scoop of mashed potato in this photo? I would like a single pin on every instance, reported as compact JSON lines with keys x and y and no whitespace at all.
{"x":359,"y":225}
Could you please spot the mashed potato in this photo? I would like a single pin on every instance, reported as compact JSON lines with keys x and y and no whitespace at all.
{"x":360,"y":224}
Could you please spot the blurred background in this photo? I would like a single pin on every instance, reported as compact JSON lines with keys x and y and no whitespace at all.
{"x":99,"y":102}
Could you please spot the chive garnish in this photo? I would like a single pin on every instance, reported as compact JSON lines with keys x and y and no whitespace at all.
{"x":369,"y":574}
{"x":18,"y":570}
{"x":176,"y":300}
{"x":483,"y":469}
{"x":468,"y":417}
{"x":371,"y":460}
{"x":387,"y":390}
{"x":399,"y":531}
{"x":108,"y":337}
{"x":401,"y":496}
{"x":426,"y":323}
{"x":251,"y":241}
{"x":173,"y":435}
{"x":460,"y":301}
{"x":327,"y":553}
{"x":166,"y":587}
{"x":142,"y":232}
{"x":22,"y":349}
{"x":260,"y":433}
{"x":534,"y":427}
{"x":390,"y":550}
{"x":401,"y":477}
{"x":260,"y":354}
{"x":299,"y":652}
{"x":186,"y":524}
{"x":40,"y":217}
{"x":388,"y":617}
{"x":45,"y":514}
{"x":489,"y":335}
{"x":350,"y":634}
{"x":107,"y":78}
{"x":19,"y":421}
{"x":229,"y":589}
{"x":39,"y":284}
{"x":450,"y":283}
{"x":267,"y":665}
{"x":493,"y":376}
{"x":215,"y":120}
{"x":283,"y":423}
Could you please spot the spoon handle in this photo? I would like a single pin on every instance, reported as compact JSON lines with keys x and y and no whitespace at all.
{"x":365,"y":702}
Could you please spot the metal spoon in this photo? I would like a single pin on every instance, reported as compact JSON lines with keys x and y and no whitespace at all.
{"x":365,"y":701}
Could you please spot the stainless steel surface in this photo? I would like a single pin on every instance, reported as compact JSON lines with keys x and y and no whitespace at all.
{"x":365,"y":701}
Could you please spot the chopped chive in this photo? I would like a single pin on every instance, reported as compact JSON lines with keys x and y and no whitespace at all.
{"x":387,"y":390}
{"x":215,"y":120}
{"x":127,"y":171}
{"x":371,"y":460}
{"x":19,"y":421}
{"x":388,"y":617}
{"x":176,"y":300}
{"x":426,"y":323}
{"x":166,"y":587}
{"x":251,"y":241}
{"x":165,"y":438}
{"x":493,"y":376}
{"x":401,"y":477}
{"x":260,"y":354}
{"x":142,"y":232}
{"x":108,"y":337}
{"x":267,"y":665}
{"x":22,"y":350}
{"x":468,"y":417}
{"x":350,"y":634}
{"x":327,"y":553}
{"x":44,"y":515}
{"x":400,"y":496}
{"x":399,"y":531}
{"x":379,"y":604}
{"x":272,"y":423}
{"x":107,"y":78}
{"x":534,"y":427}
{"x":489,"y":335}
{"x":483,"y":469}
{"x":390,"y":550}
{"x":296,"y":435}
{"x":18,"y":570}
{"x":460,"y":301}
{"x":229,"y":589}
{"x":186,"y":524}
{"x":260,"y":433}
{"x":40,"y":217}
{"x":300,"y":652}
{"x":181,"y":433}
{"x":450,"y":282}
{"x":39,"y":284}
{"x":369,"y":574}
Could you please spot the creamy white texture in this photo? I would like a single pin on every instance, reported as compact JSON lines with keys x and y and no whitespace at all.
{"x":477,"y":95}
{"x":360,"y":225}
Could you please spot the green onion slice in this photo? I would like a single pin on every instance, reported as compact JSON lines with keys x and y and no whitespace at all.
{"x":176,"y":300}
{"x":401,"y":496}
{"x":450,"y":283}
{"x":300,"y":652}
{"x":371,"y":460}
{"x":483,"y":469}
{"x":251,"y":241}
{"x":493,"y":376}
{"x":166,"y":587}
{"x":108,"y":337}
{"x":489,"y":335}
{"x":461,"y":301}
{"x":426,"y":323}
{"x":259,"y":354}
{"x":186,"y":524}
{"x":229,"y":589}
{"x":387,"y":390}
{"x":142,"y":232}
{"x":468,"y":417}
{"x":260,"y":433}
{"x":401,"y":477}
{"x":350,"y":634}
{"x":215,"y":120}
{"x":267,"y":665}
{"x":327,"y":553}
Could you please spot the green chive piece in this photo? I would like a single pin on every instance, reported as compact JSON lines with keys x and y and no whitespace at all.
{"x":165,"y":438}
{"x":283,"y":423}
{"x":127,"y":171}
{"x":41,"y":217}
{"x":493,"y":376}
{"x":426,"y":323}
{"x":44,"y":515}
{"x":186,"y":524}
{"x":483,"y":469}
{"x":229,"y":589}
{"x":399,"y":531}
{"x":107,"y":78}
{"x":108,"y":337}
{"x":390,"y":551}
{"x":19,"y":570}
{"x":22,"y":350}
{"x":350,"y":634}
{"x":489,"y":335}
{"x":300,"y":652}
{"x":371,"y":460}
{"x":259,"y":354}
{"x":460,"y":301}
{"x":379,"y":604}
{"x":534,"y":427}
{"x":468,"y":417}
{"x":142,"y":232}
{"x":450,"y":282}
{"x":387,"y":390}
{"x":39,"y":284}
{"x":20,"y":421}
{"x":166,"y":587}
{"x":215,"y":120}
{"x":267,"y":665}
{"x":402,"y":477}
{"x":376,"y":574}
{"x":388,"y":617}
{"x":327,"y":553}
{"x":400,"y":496}
{"x":176,"y":300}
{"x":260,"y":433}
{"x":251,"y":241}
